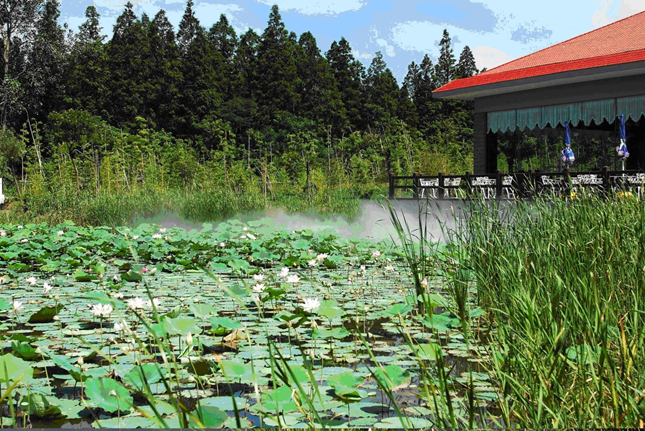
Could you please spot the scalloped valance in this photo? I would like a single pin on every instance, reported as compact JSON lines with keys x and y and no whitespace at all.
{"x":597,"y":110}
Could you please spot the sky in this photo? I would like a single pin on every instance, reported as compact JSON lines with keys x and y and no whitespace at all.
{"x":496,"y":31}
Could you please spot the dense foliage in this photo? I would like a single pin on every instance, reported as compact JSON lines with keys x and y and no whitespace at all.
{"x":198,"y":107}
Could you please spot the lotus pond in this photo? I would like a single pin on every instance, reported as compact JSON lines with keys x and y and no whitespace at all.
{"x":234,"y":325}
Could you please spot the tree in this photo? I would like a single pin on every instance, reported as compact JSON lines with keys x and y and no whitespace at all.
{"x":445,"y":68}
{"x":319,"y":95}
{"x":17,"y":20}
{"x":164,"y":73}
{"x":202,"y":72}
{"x":224,"y":40}
{"x":126,"y":57}
{"x":43,"y":80}
{"x":466,"y":66}
{"x":276,"y":75}
{"x":381,"y":91}
{"x":348,"y":73}
{"x":87,"y":67}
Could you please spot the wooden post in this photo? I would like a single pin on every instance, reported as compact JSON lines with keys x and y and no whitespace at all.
{"x":469,"y":187}
{"x":441,"y":190}
{"x":391,"y":188}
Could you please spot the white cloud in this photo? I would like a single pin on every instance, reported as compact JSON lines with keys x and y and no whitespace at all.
{"x":317,"y":7}
{"x":416,"y":35}
{"x":613,"y":10}
{"x":489,"y":57}
{"x":389,"y":49}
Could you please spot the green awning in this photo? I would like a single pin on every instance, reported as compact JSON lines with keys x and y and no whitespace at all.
{"x":595,"y":110}
{"x":631,"y":107}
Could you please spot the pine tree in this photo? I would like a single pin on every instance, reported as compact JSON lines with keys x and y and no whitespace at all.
{"x":381,"y":90}
{"x":164,"y":73}
{"x":275,"y":75}
{"x":445,"y":68}
{"x":43,"y":80}
{"x":466,"y":66}
{"x":348,"y":73}
{"x":319,"y":95}
{"x":127,"y":52}
{"x":87,"y":69}
{"x":224,"y":40}
{"x":17,"y":20}
{"x":202,"y":71}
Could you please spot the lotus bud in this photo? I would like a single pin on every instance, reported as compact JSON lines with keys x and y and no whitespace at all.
{"x":80,"y":360}
{"x":189,"y":339}
{"x":56,"y":318}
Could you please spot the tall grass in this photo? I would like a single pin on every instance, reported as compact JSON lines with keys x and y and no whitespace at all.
{"x":211,"y":204}
{"x":563,"y":283}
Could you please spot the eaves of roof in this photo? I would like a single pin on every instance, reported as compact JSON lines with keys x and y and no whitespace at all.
{"x":601,"y":67}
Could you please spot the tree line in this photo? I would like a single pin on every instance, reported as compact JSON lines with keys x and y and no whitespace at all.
{"x":270,"y":104}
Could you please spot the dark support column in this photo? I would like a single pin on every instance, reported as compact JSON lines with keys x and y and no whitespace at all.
{"x":491,"y":152}
{"x":480,"y":150}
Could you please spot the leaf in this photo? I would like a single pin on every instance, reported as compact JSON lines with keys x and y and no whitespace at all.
{"x":429,"y":351}
{"x":181,"y":326}
{"x":46,"y":314}
{"x":24,"y":350}
{"x":329,"y":308}
{"x":150,"y":373}
{"x":279,"y":400}
{"x":83,"y":276}
{"x":14,"y":369}
{"x":392,"y":376}
{"x":39,"y":405}
{"x":207,"y":417}
{"x":235,"y":369}
{"x":107,"y":394}
{"x":397,"y":309}
{"x":203,"y":310}
{"x":132,"y":276}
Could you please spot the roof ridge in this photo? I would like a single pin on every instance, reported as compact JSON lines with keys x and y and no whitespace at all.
{"x":489,"y":71}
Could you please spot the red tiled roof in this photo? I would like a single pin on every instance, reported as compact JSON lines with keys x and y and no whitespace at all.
{"x":617,"y":43}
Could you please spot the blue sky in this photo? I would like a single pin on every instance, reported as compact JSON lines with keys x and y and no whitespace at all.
{"x":496,"y":31}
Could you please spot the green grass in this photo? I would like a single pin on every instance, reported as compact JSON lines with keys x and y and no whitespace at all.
{"x":563,"y":283}
{"x":118,"y":209}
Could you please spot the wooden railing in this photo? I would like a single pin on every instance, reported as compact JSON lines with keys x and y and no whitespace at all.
{"x":519,"y":185}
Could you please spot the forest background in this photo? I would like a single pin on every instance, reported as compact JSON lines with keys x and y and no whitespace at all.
{"x":207,"y":122}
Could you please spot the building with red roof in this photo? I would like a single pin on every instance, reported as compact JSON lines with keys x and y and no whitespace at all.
{"x":592,"y":78}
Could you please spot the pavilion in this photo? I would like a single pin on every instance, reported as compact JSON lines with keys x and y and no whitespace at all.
{"x":589,"y":80}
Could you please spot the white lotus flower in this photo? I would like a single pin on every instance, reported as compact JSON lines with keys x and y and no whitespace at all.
{"x":122,"y":326}
{"x":19,"y":226}
{"x":118,"y":295}
{"x":135,"y":236}
{"x":3,"y":232}
{"x":250,"y":236}
{"x":389,"y":268}
{"x":283,"y":272}
{"x":294,"y":278}
{"x":321,"y":257}
{"x":102,"y":310}
{"x":376,"y":254}
{"x":47,"y":287}
{"x":311,"y":304}
{"x":24,"y":240}
{"x":242,"y":236}
{"x":259,"y":288}
{"x":31,"y":280}
{"x":17,"y":306}
{"x":222,"y":244}
{"x":258,"y":277}
{"x":135,"y":303}
{"x":312,"y":263}
{"x":162,"y":230}
{"x":245,"y":228}
{"x":60,"y":233}
{"x":156,"y":236}
{"x":155,"y":301}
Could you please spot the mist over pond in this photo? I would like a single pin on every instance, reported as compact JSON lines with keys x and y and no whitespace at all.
{"x":374,"y":221}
